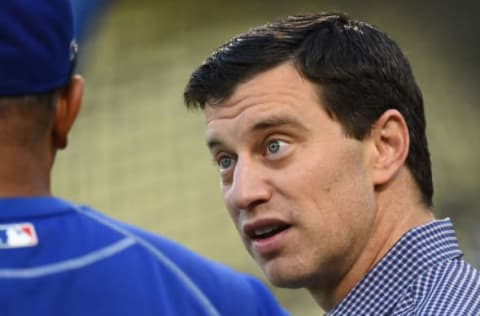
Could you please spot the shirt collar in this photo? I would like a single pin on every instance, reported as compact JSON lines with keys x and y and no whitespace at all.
{"x":384,"y":285}
{"x":21,"y":207}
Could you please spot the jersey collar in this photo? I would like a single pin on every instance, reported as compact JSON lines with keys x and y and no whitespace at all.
{"x":21,"y":207}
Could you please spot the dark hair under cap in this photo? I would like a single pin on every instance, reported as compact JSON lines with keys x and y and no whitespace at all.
{"x":37,"y":46}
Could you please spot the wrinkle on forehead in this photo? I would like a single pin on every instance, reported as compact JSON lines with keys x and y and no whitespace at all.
{"x":277,"y":85}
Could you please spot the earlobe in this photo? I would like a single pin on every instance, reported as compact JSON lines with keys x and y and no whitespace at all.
{"x":390,"y":139}
{"x":68,"y":103}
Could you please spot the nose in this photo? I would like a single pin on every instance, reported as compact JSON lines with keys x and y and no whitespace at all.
{"x":249,"y":186}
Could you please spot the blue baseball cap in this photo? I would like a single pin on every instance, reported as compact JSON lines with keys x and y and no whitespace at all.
{"x":37,"y":46}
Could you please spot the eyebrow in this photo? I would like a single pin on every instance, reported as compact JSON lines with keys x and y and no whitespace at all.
{"x":212,"y":143}
{"x":271,"y":122}
{"x":274,"y":121}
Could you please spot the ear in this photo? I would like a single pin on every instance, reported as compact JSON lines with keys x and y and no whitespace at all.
{"x":390,"y":140}
{"x":68,"y":102}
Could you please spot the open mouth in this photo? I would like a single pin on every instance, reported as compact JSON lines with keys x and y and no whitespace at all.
{"x":265,"y":232}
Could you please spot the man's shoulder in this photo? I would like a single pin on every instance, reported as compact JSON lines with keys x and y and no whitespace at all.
{"x":230,"y":291}
{"x":449,"y":288}
{"x":157,"y":246}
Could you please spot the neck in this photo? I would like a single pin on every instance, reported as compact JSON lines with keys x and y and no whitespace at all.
{"x":394,"y":217}
{"x":23,"y":173}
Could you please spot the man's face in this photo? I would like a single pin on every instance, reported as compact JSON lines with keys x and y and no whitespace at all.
{"x":297,"y":189}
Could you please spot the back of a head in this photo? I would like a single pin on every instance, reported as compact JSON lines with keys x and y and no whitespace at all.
{"x":360,"y":73}
{"x":37,"y":57}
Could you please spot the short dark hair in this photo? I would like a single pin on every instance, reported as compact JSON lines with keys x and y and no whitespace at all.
{"x":359,"y":70}
{"x":25,"y":119}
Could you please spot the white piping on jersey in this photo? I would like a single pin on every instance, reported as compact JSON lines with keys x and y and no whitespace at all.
{"x":177,"y":271}
{"x":70,"y":264}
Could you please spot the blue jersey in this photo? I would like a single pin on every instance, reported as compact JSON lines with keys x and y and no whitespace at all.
{"x":59,"y":259}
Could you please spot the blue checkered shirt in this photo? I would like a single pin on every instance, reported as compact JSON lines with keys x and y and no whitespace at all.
{"x":423,"y":274}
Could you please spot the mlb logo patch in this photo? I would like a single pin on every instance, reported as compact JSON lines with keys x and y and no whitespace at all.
{"x":17,"y":235}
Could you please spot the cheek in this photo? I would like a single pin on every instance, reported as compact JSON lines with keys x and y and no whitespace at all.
{"x":224,"y":191}
{"x":233,"y":213}
{"x":350,"y":203}
{"x":307,"y":182}
{"x":332,"y":190}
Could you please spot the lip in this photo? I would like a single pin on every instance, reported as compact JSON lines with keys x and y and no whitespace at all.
{"x":269,"y":245}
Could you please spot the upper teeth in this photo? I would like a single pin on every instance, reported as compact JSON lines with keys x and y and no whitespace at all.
{"x":264,"y":230}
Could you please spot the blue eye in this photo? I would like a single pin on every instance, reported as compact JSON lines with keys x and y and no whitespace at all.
{"x":276,"y":149}
{"x":274,"y":146}
{"x":225,"y":162}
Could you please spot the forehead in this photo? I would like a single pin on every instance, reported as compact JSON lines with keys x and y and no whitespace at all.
{"x":279,"y":96}
{"x":279,"y":87}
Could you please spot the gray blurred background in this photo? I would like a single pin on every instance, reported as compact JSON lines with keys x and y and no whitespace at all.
{"x":136,"y":154}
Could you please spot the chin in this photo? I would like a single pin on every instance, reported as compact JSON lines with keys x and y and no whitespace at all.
{"x":287,"y":282}
{"x":285,"y":276}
